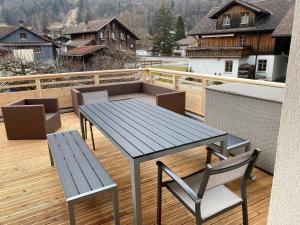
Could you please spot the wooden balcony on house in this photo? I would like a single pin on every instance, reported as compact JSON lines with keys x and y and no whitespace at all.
{"x":219,"y":52}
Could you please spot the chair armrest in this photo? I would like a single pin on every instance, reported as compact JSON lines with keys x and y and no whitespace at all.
{"x":174,"y":101}
{"x":178,"y":180}
{"x":50,"y":104}
{"x":76,"y":100}
{"x":216,"y":153}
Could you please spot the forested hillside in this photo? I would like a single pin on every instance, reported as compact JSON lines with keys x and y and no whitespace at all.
{"x":138,"y":14}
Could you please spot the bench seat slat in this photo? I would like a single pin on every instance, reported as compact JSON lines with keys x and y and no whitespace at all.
{"x":62,"y":168}
{"x":98,"y":168}
{"x":88,"y":171}
{"x":74,"y":168}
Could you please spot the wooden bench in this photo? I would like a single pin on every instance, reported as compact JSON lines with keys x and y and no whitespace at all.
{"x":81,"y":174}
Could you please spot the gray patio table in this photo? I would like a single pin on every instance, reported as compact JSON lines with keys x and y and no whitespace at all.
{"x":143,"y":132}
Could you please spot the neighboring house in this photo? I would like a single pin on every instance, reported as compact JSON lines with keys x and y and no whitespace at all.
{"x":236,"y":40}
{"x":183,"y":44}
{"x":27,"y":44}
{"x":83,"y":56}
{"x":106,"y":32}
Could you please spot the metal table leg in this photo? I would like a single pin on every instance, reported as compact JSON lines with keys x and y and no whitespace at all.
{"x":81,"y":118}
{"x":136,"y":192}
{"x":223,"y":149}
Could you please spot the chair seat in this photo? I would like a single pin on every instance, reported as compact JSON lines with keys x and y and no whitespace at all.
{"x":213,"y":201}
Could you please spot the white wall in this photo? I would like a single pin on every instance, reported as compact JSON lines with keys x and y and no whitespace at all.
{"x":213,"y":66}
{"x":285,"y":198}
{"x":270,"y":65}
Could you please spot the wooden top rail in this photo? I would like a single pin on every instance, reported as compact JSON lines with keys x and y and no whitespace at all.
{"x":217,"y":78}
{"x":148,"y":70}
{"x":73,"y":74}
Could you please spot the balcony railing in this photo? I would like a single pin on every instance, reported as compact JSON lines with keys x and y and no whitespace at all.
{"x":59,"y":85}
{"x":219,"y":52}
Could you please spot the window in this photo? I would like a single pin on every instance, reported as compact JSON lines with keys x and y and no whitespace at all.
{"x":228,"y":66}
{"x":37,"y":49}
{"x":243,"y":41}
{"x":122,"y":36}
{"x":23,"y":36}
{"x":262,"y":65}
{"x":101,"y":35}
{"x":245,"y":17}
{"x":227,"y":20}
{"x":113,"y":36}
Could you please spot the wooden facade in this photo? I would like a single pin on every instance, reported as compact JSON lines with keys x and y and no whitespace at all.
{"x":113,"y":35}
{"x":235,"y":33}
{"x":235,"y":12}
{"x":262,"y":43}
{"x":42,"y":49}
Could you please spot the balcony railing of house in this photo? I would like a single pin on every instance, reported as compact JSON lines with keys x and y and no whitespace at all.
{"x":220,"y":52}
{"x":59,"y":85}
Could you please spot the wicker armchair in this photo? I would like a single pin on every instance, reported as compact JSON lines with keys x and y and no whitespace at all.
{"x":31,"y":118}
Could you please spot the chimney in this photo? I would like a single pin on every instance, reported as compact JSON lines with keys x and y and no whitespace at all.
{"x":21,"y":23}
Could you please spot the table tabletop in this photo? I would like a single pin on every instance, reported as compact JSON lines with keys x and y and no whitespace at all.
{"x":142,"y":129}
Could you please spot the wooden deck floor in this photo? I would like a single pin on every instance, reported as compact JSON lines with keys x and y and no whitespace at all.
{"x":30,"y":190}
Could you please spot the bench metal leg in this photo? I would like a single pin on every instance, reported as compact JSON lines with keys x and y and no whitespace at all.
{"x":116,"y":206}
{"x":71,"y":213}
{"x":92,"y":135}
{"x":85,"y":129}
{"x":51,"y":157}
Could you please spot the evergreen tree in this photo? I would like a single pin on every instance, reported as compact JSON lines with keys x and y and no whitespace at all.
{"x":180,"y":29}
{"x":163,"y":38}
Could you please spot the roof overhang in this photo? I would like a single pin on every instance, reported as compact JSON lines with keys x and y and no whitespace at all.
{"x":247,"y":5}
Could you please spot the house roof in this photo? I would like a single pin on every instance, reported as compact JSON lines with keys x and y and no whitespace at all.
{"x":276,"y":8}
{"x":94,"y":26}
{"x":249,"y":5}
{"x":79,"y":42}
{"x":5,"y":31}
{"x":188,"y":41}
{"x":284,"y":29}
{"x":82,"y":51}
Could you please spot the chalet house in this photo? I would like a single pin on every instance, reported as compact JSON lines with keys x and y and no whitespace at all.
{"x":27,"y":44}
{"x":110,"y":33}
{"x":236,"y":40}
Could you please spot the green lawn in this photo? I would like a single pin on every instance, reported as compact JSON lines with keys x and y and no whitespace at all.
{"x":178,"y":68}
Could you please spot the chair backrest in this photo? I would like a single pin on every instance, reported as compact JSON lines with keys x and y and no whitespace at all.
{"x":225,"y":171}
{"x":95,"y":97}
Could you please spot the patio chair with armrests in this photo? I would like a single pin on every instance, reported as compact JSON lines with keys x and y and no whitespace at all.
{"x":204,"y":193}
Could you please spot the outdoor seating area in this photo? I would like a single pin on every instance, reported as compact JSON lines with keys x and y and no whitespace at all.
{"x":32,"y":193}
{"x":145,"y":163}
